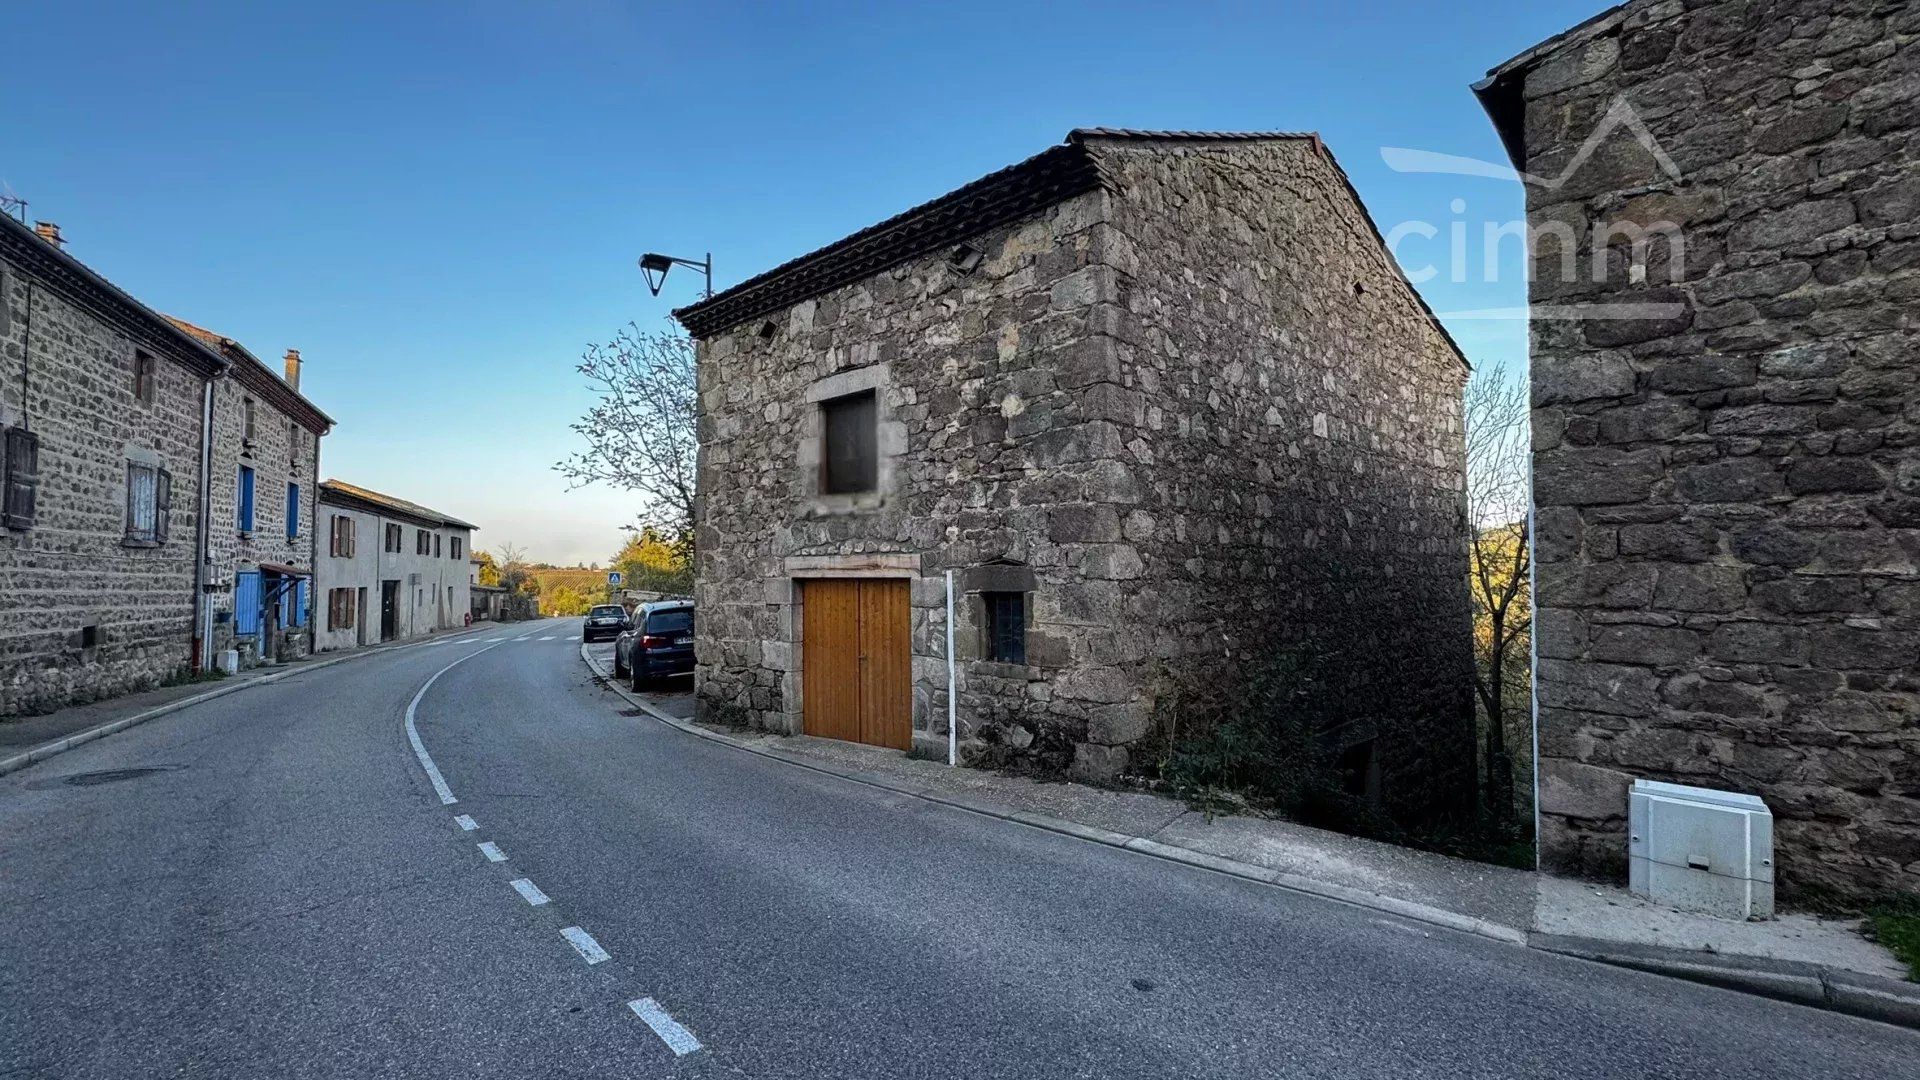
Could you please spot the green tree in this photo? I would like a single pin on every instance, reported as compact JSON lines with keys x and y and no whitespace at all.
{"x":653,"y":561}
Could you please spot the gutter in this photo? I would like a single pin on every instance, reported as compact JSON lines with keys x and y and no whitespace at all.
{"x":203,"y":561}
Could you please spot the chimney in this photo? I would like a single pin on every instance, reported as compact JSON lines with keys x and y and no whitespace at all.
{"x":293,"y":368}
{"x":50,"y":233}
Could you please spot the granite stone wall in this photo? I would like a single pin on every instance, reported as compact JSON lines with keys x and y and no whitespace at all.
{"x":1288,"y":417}
{"x":1193,"y":415}
{"x":281,"y":451}
{"x":1727,"y":480}
{"x":73,"y":386}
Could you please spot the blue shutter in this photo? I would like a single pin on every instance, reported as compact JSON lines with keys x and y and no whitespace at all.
{"x":300,"y":604}
{"x":246,"y":603}
{"x":245,"y":507}
{"x":293,"y":510}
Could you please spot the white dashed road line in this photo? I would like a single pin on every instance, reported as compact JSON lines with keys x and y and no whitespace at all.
{"x":549,"y":637}
{"x":529,"y":891}
{"x":492,"y":851}
{"x":583,"y":943}
{"x":466,"y":823}
{"x":413,"y":733}
{"x":678,"y":1038}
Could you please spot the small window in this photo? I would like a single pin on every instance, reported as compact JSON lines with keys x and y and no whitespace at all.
{"x":146,"y":376}
{"x":149,"y":504}
{"x":851,"y":460}
{"x":455,"y":547}
{"x":243,"y":510}
{"x":1006,"y":626}
{"x":392,"y":543}
{"x":436,"y":545}
{"x":293,"y":510}
{"x":246,"y":434}
{"x":421,"y":545}
{"x":293,"y":443}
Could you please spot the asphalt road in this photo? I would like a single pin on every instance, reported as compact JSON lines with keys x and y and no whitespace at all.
{"x":290,"y":897}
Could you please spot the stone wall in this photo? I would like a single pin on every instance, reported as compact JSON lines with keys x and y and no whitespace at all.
{"x":1288,"y":419}
{"x":73,"y":568}
{"x":280,"y":452}
{"x":1122,"y":413}
{"x":1728,"y":488}
{"x":989,"y":444}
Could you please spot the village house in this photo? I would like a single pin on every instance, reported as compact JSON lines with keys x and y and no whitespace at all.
{"x":102,"y":448}
{"x":1725,"y":468}
{"x":261,"y":542}
{"x":1166,"y":409}
{"x":390,"y":568}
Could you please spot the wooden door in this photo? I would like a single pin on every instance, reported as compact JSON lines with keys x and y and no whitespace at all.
{"x":856,"y":662}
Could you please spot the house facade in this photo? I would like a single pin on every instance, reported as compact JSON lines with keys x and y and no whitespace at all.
{"x":102,"y":445}
{"x":1164,"y":407}
{"x":1726,"y":263}
{"x":263,"y":480}
{"x":388,"y":569}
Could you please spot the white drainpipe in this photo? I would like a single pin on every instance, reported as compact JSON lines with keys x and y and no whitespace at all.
{"x":953,"y":730}
{"x":202,"y":600}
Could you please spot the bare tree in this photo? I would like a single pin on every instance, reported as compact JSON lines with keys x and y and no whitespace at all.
{"x":511,"y":561}
{"x":1498,"y":439}
{"x":641,"y":434}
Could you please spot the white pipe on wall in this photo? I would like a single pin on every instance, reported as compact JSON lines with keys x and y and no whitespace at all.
{"x":953,"y":731}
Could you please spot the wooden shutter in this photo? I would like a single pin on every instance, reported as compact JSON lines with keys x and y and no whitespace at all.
{"x":348,"y":522}
{"x":162,"y":505}
{"x":22,"y":479}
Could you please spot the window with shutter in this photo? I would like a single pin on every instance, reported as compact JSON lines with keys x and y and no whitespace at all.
{"x":143,"y":504}
{"x":293,"y":510}
{"x":21,"y":484}
{"x":146,"y":377}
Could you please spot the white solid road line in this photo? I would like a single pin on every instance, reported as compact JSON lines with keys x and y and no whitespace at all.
{"x":492,"y":851}
{"x":529,"y":891}
{"x":678,"y":1038}
{"x":583,"y":942}
{"x":413,"y":733}
{"x":466,"y":823}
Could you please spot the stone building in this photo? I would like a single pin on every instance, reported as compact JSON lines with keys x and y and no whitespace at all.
{"x":388,"y":569}
{"x":261,"y":537}
{"x":101,"y":445}
{"x":1166,"y":408}
{"x":1726,"y":479}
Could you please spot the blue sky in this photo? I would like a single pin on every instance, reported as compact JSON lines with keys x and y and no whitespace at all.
{"x":440,"y":204}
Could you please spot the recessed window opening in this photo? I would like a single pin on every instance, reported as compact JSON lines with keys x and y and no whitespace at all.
{"x":850,"y":463}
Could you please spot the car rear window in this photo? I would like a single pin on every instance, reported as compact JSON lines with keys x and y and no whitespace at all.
{"x":609,"y":609}
{"x":669,"y":622}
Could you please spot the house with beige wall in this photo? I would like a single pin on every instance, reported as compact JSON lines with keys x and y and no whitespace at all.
{"x":388,"y":568}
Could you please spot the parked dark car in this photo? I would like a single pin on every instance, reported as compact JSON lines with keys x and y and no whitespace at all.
{"x":660,"y":642}
{"x":604,"y":621}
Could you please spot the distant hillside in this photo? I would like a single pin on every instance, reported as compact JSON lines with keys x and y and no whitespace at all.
{"x":568,"y":590}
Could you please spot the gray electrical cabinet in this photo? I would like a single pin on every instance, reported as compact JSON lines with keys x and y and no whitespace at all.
{"x":1701,"y":850}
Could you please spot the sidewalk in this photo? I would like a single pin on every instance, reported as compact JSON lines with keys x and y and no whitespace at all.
{"x":1796,"y":957}
{"x":31,"y":739}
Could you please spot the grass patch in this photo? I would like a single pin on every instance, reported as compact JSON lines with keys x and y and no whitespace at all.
{"x":186,"y":676}
{"x":1896,"y":924}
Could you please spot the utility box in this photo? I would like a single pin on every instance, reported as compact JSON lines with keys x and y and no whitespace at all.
{"x":1702,"y":850}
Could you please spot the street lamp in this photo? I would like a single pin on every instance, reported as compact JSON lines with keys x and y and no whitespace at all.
{"x":655,"y":266}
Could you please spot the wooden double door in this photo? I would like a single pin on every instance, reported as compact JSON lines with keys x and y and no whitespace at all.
{"x":856,"y":662}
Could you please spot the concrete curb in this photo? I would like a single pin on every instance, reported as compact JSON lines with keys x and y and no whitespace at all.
{"x":1886,"y":1000}
{"x":1361,"y":898}
{"x":37,"y":754}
